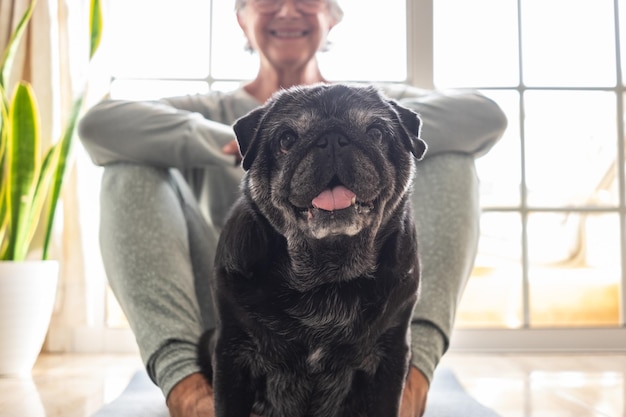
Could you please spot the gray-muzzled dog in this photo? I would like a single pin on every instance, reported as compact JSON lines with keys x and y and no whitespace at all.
{"x":316,"y":271}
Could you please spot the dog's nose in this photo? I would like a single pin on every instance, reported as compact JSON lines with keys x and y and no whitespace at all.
{"x":332,"y":138}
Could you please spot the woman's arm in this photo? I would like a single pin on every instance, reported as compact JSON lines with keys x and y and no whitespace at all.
{"x":153,"y":133}
{"x":462,"y":121}
{"x":182,"y":132}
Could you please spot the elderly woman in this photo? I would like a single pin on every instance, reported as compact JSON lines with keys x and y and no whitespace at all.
{"x":172,"y":174}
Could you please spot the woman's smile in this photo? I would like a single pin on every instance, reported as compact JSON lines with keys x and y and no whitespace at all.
{"x":289,"y":33}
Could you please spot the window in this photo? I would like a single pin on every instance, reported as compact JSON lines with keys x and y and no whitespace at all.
{"x":552,"y":254}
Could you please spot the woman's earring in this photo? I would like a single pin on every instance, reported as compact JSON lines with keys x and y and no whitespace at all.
{"x":328,"y":45}
{"x":248,"y":47}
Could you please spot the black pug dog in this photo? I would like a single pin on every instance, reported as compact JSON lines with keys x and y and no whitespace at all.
{"x":317,"y":269}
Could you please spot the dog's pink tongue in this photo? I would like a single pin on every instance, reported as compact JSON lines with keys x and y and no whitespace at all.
{"x":336,"y":199}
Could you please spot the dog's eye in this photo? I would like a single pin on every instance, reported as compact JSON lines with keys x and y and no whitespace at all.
{"x":286,"y":141}
{"x":375,"y":132}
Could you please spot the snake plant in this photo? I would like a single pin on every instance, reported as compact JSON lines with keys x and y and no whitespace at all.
{"x":30,"y":176}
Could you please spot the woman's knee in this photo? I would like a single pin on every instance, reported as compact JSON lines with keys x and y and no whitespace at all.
{"x":446,"y":204}
{"x":141,"y":199}
{"x":128,"y":181}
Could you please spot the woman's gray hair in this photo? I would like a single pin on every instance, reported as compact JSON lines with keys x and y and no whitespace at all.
{"x":333,"y":6}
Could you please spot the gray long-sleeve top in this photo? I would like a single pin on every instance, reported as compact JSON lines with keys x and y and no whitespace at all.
{"x":188,"y":132}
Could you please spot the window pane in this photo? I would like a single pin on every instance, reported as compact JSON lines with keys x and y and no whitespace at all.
{"x":369,"y":44}
{"x":155,"y":89}
{"x":475,"y":48}
{"x":225,"y":86}
{"x":568,"y":42}
{"x":492,"y":297}
{"x":229,"y":59}
{"x":500,"y":170}
{"x":574,"y":269}
{"x":571,"y":146}
{"x":147,"y":42}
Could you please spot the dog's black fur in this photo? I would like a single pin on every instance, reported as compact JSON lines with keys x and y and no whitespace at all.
{"x":314,"y":305}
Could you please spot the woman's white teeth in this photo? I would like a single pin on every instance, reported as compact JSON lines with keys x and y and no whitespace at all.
{"x":288,"y":34}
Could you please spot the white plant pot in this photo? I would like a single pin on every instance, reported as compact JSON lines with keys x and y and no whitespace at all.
{"x":27,"y":293}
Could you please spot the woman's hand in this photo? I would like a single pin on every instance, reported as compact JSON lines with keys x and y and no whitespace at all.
{"x":232,"y":148}
{"x":414,"y":396}
{"x":191,"y":397}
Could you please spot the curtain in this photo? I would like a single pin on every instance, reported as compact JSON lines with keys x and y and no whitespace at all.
{"x":44,"y":59}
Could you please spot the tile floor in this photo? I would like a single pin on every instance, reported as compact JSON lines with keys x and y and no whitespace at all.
{"x":530,"y":385}
{"x":546,"y":385}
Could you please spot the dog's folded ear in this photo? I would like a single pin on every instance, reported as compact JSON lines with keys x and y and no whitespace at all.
{"x":246,"y":131}
{"x":412,"y":125}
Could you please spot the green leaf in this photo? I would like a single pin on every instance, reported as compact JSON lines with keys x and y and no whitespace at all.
{"x":23,"y":162}
{"x":41,"y":192}
{"x":6,"y":64}
{"x":95,"y":25}
{"x":4,"y":117}
{"x":4,"y":206}
{"x":8,"y":57}
{"x":64,"y":146}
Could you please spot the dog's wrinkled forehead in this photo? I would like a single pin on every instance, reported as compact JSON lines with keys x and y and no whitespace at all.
{"x":310,"y":111}
{"x":337,"y":102}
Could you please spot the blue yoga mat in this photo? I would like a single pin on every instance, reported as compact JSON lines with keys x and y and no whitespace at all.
{"x":446,"y":398}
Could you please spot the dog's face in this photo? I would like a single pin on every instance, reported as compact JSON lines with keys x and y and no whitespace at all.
{"x":329,"y":161}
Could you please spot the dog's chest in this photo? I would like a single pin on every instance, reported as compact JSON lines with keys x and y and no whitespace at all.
{"x":328,"y":314}
{"x":331,"y":326}
{"x":309,"y":380}
{"x":328,"y":311}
